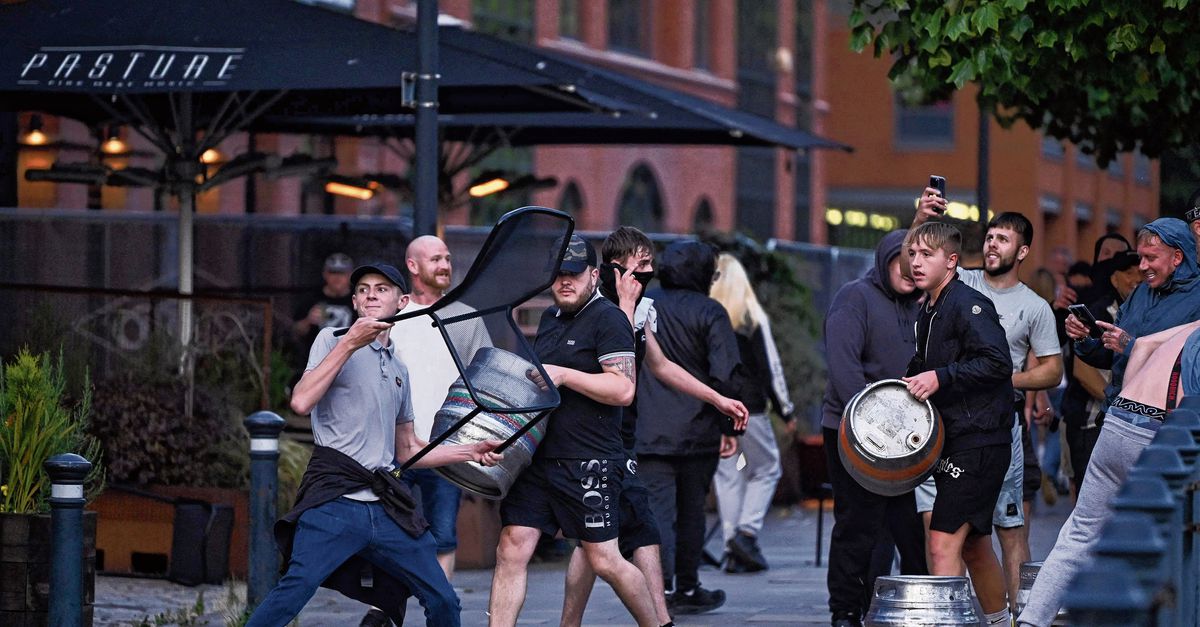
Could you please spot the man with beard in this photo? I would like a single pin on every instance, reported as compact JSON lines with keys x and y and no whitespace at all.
{"x":432,"y":371}
{"x":574,"y":483}
{"x":1029,"y":328}
{"x":628,"y":267}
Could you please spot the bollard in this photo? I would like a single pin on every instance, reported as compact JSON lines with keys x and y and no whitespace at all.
{"x":1141,"y":554}
{"x":1186,"y":418}
{"x":1093,"y":600}
{"x":1149,"y":493}
{"x":1172,"y":445}
{"x":67,"y":472}
{"x":1181,"y":439}
{"x":264,"y":428}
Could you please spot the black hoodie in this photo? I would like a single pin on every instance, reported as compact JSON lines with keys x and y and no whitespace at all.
{"x":868,"y":332}
{"x":693,"y":331}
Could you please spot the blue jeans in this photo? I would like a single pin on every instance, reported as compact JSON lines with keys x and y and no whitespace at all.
{"x":439,"y":500}
{"x":329,"y":534}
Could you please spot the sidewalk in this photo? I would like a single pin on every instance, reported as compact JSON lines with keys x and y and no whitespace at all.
{"x":792,"y":592}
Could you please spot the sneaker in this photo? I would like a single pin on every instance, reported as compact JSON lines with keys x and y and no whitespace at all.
{"x":745,"y":548}
{"x":733,"y":565}
{"x":845,"y":619}
{"x":696,"y":601}
{"x":375,"y":618}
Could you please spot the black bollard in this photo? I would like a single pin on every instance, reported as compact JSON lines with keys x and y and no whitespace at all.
{"x":67,"y":472}
{"x":264,"y":428}
{"x":1147,"y":492}
{"x":1093,"y":600}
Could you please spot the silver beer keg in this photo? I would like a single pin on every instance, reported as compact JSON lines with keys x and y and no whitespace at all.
{"x":922,"y":601}
{"x":500,"y":380}
{"x":888,"y":440}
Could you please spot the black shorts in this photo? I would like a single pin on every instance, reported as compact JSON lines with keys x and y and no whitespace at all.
{"x":578,"y":496}
{"x":1032,"y":481}
{"x":968,"y":484}
{"x":639,"y":527}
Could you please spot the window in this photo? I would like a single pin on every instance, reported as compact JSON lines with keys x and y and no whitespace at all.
{"x":1141,"y":168}
{"x":1115,"y":168}
{"x":641,"y":203}
{"x":629,"y":26}
{"x":701,"y":46}
{"x":1052,"y":148}
{"x":508,"y":19}
{"x":1083,"y":211}
{"x":1084,"y":160}
{"x":571,"y":200}
{"x":508,"y":163}
{"x":1049,"y":204}
{"x":702,"y":220}
{"x":1112,"y":217}
{"x":925,"y":126}
{"x":568,"y":19}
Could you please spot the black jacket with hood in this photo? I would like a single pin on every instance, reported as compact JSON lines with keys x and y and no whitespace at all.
{"x":693,"y":331}
{"x":965,"y":345}
{"x":868,"y":332}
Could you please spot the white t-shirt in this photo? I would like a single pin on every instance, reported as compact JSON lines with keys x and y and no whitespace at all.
{"x":1026,"y":317}
{"x":431,"y":369}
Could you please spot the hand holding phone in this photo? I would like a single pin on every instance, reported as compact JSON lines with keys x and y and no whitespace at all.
{"x":938,"y":183}
{"x":1084,"y":315}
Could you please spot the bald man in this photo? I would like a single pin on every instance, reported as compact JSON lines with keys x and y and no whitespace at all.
{"x":432,"y":371}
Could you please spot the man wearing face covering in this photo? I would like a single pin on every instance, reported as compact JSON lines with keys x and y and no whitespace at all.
{"x":628,"y":257}
{"x":680,"y":439}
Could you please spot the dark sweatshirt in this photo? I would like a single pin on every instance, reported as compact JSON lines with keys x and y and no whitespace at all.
{"x":868,"y":332}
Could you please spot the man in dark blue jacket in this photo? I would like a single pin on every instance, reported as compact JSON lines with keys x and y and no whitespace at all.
{"x":962,"y":365}
{"x":680,"y":438}
{"x":868,"y":338}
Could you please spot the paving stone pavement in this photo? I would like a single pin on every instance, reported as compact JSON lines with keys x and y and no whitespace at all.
{"x":792,"y":592}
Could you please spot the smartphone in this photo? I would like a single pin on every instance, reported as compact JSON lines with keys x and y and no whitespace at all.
{"x":938,"y":183}
{"x":1085,"y":316}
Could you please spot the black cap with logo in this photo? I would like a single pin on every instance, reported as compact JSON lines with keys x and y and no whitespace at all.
{"x":388,"y":271}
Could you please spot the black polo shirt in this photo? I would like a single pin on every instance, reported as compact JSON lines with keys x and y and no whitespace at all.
{"x":582,"y":428}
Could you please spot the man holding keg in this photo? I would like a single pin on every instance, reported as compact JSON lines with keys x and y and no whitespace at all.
{"x":574,"y":483}
{"x":962,"y":366}
{"x":1033,"y":346}
{"x":868,"y":338}
{"x":628,"y":266}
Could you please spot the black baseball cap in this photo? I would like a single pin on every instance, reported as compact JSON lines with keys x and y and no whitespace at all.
{"x":388,"y":271}
{"x":1193,"y":208}
{"x":579,"y":256}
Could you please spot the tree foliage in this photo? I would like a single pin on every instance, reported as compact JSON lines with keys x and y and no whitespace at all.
{"x":1109,"y":75}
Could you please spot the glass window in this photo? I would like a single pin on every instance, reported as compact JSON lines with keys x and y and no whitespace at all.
{"x":702,"y":220}
{"x":641,"y":203}
{"x":1083,"y":211}
{"x":1052,"y":148}
{"x":701,"y":46}
{"x":925,"y":126}
{"x":508,"y":19}
{"x":1116,"y":168}
{"x":1141,"y":168}
{"x":568,"y":19}
{"x":509,"y":164}
{"x":629,"y":26}
{"x":1049,"y":204}
{"x":1084,"y":160}
{"x":571,"y":201}
{"x":1112,"y":217}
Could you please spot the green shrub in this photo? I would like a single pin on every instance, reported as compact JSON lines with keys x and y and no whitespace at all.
{"x":37,"y":425}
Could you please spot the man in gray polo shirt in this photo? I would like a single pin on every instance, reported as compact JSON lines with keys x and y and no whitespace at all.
{"x":349,"y":508}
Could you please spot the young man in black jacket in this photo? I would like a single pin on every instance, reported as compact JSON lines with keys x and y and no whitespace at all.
{"x":962,"y":365}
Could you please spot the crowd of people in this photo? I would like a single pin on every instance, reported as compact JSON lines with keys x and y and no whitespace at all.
{"x":666,"y":394}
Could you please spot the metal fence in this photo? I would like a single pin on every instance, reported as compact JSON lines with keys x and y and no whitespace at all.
{"x":1147,"y":562}
{"x":102,"y":283}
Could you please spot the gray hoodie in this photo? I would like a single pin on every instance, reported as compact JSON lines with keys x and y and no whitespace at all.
{"x":868,"y":332}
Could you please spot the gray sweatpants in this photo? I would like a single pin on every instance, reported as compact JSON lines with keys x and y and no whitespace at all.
{"x":1116,"y":450}
{"x":744,"y":496}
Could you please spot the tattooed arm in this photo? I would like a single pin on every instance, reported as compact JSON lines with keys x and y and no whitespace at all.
{"x":614,"y":386}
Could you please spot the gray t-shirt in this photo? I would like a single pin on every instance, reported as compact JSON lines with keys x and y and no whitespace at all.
{"x":1026,"y":317}
{"x":359,"y":412}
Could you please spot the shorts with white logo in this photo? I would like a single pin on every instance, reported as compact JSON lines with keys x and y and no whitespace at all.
{"x":968,"y":484}
{"x":639,"y":527}
{"x":579,"y":496}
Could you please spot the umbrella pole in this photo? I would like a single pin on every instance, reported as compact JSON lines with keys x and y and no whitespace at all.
{"x":425,"y":197}
{"x":186,"y":169}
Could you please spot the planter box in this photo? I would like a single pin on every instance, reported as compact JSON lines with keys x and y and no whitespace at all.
{"x":134,"y":533}
{"x":25,"y":569}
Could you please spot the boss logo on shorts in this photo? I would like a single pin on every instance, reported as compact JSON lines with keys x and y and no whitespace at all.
{"x":944,"y":465}
{"x":594,"y":481}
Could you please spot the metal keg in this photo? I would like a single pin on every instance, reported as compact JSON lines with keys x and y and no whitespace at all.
{"x":1029,"y":573}
{"x":888,"y":440}
{"x":922,"y":601}
{"x":500,"y":381}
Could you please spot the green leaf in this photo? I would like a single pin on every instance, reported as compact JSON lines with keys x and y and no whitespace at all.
{"x":1157,"y":46}
{"x":963,"y":72}
{"x":1016,"y":6}
{"x":941,"y":59}
{"x":857,"y":18}
{"x":986,"y":17}
{"x":860,"y":38}
{"x":1046,"y":38}
{"x":956,"y":27}
{"x":1020,"y":27}
{"x":1123,"y":39}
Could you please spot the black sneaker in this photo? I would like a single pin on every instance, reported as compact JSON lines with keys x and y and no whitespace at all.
{"x":745,"y":548}
{"x":733,"y":565}
{"x":845,"y":619}
{"x":696,"y":601}
{"x":375,"y":618}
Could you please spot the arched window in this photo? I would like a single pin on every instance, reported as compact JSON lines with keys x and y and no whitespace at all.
{"x":571,"y":200}
{"x":702,"y":220}
{"x":641,"y":203}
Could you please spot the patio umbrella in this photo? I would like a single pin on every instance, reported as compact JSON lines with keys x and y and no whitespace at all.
{"x":187,"y":73}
